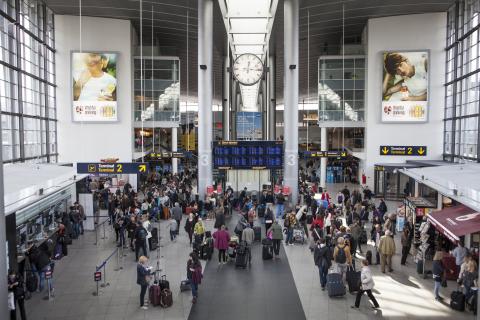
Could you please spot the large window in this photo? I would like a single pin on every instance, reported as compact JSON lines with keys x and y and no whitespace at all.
{"x":462,"y":88}
{"x":27,"y":82}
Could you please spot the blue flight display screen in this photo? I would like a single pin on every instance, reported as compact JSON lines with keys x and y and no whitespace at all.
{"x":248,"y":154}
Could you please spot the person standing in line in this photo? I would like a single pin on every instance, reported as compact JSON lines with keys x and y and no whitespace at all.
{"x":82,"y":215}
{"x":438,"y":272}
{"x":199,"y":231}
{"x":376,"y":235}
{"x":366,"y":286}
{"x":140,"y":240}
{"x":173,"y":227}
{"x":289,"y":223}
{"x":221,"y":237}
{"x":177,"y":214}
{"x":189,"y":227}
{"x":387,"y":249}
{"x":248,"y":235}
{"x":143,"y":279}
{"x":268,"y":217}
{"x":15,"y":286}
{"x":194,"y":274}
{"x":459,"y":253}
{"x":277,"y":237}
{"x":280,"y":205}
{"x":406,"y":245}
{"x":323,"y":260}
{"x":342,"y":256}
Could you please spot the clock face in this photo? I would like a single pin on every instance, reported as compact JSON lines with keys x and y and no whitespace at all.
{"x":248,"y":69}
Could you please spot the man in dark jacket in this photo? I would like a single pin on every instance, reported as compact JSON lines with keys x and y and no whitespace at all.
{"x":140,"y":240}
{"x":177,"y":214}
{"x":323,"y":260}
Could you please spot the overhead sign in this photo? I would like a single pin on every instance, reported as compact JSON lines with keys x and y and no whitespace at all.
{"x":111,"y":168}
{"x":167,"y":155}
{"x":418,"y":151}
{"x":325,"y":154}
{"x":405,"y":86}
{"x":248,"y":155}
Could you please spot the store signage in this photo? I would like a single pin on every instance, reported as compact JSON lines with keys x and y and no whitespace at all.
{"x":324,"y":154}
{"x":405,"y":86}
{"x":379,"y":168}
{"x":111,"y":168}
{"x":94,"y":86}
{"x":167,"y":155}
{"x":97,"y":276}
{"x":419,"y":151}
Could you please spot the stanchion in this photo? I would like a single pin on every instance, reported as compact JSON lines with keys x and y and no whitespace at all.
{"x":104,"y":236}
{"x":105,"y":283}
{"x":118,"y":268}
{"x":48,"y":276}
{"x":96,"y":235}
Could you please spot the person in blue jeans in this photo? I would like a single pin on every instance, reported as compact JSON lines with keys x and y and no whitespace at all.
{"x":280,"y":206}
{"x":42,"y":278}
{"x":323,"y":260}
{"x":194,"y":274}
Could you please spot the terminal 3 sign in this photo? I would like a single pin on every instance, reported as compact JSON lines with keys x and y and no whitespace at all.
{"x":418,"y":151}
{"x":324,"y":154}
{"x":111,"y":168}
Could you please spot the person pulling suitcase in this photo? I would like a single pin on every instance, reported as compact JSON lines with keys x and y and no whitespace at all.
{"x":366,"y":286}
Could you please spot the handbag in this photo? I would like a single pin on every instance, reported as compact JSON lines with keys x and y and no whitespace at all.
{"x":11,"y":301}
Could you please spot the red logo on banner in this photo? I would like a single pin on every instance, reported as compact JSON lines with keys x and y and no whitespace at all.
{"x":286,"y":190}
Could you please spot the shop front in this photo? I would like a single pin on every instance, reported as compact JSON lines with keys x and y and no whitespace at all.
{"x":390,"y":183}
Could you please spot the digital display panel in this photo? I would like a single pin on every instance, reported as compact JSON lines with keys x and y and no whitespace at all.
{"x":248,"y":154}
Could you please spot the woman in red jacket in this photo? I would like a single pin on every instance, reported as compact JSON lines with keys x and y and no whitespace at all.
{"x":221,"y":237}
{"x":317,"y":225}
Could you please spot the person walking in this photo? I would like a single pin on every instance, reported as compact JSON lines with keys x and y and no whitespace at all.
{"x":376,"y":235}
{"x":289,"y":223}
{"x":15,"y":287}
{"x":277,"y":236}
{"x":173,"y":227}
{"x":194,"y":274}
{"x":269,"y":217}
{"x":322,"y":256}
{"x":143,"y":279}
{"x":199,"y":231}
{"x":356,"y":232}
{"x":140,"y":240}
{"x":189,"y":226}
{"x":248,"y":235}
{"x":342,"y":256}
{"x":387,"y":249}
{"x":438,"y":272}
{"x":177,"y":214}
{"x":367,"y":285}
{"x":221,"y":238}
{"x":406,"y":245}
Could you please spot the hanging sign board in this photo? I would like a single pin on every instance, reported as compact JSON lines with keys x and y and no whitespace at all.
{"x":419,"y":151}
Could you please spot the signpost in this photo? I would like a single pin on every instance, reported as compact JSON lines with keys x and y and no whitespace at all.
{"x":418,"y":151}
{"x":97,"y":277}
{"x":325,"y":154}
{"x":111,"y":168}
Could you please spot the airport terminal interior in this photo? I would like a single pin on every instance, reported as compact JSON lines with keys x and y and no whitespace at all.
{"x":239,"y":159}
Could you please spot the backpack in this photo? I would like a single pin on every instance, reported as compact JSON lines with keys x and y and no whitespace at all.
{"x":286,"y":223}
{"x":341,"y":256}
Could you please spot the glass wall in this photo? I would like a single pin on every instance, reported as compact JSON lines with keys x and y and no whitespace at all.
{"x":341,"y":81}
{"x":161,"y":89}
{"x":27,"y":81}
{"x":462,"y":87}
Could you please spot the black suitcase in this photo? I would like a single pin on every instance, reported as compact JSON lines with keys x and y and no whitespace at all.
{"x":267,"y":250}
{"x":335,"y":286}
{"x":353,"y":280}
{"x":257,"y":230}
{"x":309,"y":219}
{"x":163,"y":283}
{"x":261,"y":211}
{"x":420,"y":266}
{"x":185,"y":285}
{"x":241,"y":259}
{"x":363,"y":237}
{"x":457,"y":301}
{"x":153,"y":243}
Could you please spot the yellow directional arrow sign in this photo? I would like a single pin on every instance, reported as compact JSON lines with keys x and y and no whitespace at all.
{"x":142,"y":168}
{"x":385,"y":150}
{"x":421,"y":151}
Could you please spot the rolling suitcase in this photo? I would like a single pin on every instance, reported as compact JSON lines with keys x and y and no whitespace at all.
{"x":261,"y":211}
{"x":457,"y":301}
{"x":163,"y":283}
{"x":185,"y":285}
{"x":166,"y":298}
{"x":154,"y":295}
{"x":368,"y":256}
{"x":257,"y":230}
{"x":353,"y":280}
{"x":241,"y":259}
{"x":267,"y":249}
{"x":335,"y":286}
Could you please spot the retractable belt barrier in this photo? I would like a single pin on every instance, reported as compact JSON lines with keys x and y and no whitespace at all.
{"x":118,"y":253}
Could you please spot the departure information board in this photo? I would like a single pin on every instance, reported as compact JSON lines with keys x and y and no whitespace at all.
{"x":248,"y":154}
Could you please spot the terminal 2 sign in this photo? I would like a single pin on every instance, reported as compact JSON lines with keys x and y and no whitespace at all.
{"x":111,"y":168}
{"x":418,"y":151}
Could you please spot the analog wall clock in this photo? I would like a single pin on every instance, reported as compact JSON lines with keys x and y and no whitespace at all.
{"x":248,"y":69}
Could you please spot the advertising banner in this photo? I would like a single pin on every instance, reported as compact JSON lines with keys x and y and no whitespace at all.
{"x":94,"y":87}
{"x":249,"y":125}
{"x":405,"y":86}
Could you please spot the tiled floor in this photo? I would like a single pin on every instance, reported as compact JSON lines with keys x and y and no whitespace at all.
{"x":402,"y":294}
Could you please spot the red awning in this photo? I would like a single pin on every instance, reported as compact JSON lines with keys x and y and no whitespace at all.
{"x":456,"y":221}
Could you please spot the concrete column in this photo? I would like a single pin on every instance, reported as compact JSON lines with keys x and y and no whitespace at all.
{"x":233,"y":95}
{"x":291,"y":41}
{"x":3,"y":252}
{"x":323,"y":161}
{"x":174,"y":149}
{"x":205,"y":53}
{"x":226,"y":97}
{"x":416,"y":189}
{"x":271,"y":99}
